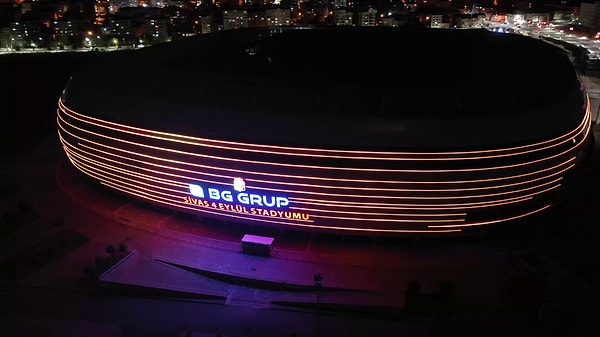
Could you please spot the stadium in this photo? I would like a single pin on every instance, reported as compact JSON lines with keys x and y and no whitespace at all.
{"x":371,"y":131}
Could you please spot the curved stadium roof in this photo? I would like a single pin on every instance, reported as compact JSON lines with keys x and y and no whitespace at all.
{"x":364,"y":130}
{"x":353,"y":87}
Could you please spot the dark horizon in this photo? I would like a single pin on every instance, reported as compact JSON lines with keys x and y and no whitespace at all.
{"x":33,"y":83}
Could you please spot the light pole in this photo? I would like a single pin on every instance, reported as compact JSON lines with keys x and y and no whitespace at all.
{"x":318,"y":278}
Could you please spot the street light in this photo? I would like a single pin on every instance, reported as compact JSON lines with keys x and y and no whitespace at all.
{"x":318,"y":278}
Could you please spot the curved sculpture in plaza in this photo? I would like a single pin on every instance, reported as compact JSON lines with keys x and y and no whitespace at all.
{"x":366,"y":130}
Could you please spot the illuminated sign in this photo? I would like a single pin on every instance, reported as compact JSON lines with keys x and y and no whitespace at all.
{"x":240,"y":201}
{"x":250,"y":199}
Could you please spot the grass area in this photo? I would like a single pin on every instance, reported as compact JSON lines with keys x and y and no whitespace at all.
{"x":40,"y":254}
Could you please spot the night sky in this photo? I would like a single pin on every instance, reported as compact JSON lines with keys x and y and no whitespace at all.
{"x":32,"y":85}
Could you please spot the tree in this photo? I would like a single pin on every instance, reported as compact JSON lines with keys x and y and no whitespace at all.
{"x":24,"y":206}
{"x":91,"y":272}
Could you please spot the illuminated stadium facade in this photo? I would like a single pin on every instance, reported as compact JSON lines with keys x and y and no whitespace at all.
{"x":354,"y":130}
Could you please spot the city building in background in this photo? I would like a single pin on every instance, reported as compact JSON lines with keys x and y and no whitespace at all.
{"x":43,"y":24}
{"x":235,"y":19}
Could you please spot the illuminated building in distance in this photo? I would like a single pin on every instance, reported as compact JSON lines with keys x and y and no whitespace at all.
{"x":371,"y":131}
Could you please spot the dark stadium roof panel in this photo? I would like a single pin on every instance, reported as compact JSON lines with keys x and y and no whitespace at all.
{"x":352,"y":86}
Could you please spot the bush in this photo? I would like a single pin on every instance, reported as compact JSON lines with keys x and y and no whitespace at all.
{"x":447,"y":288}
{"x":110,"y":249}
